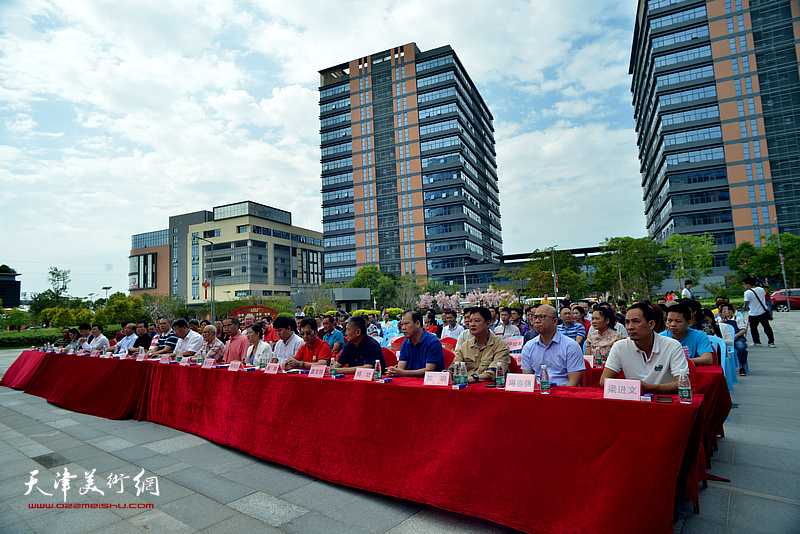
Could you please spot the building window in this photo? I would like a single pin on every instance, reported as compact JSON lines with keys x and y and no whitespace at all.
{"x":241,"y":229}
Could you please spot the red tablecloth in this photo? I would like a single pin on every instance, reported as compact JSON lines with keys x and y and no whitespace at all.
{"x":96,"y":386}
{"x":567,"y":462}
{"x":23,"y":368}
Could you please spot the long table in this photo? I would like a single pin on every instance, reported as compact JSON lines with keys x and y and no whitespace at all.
{"x":20,"y":372}
{"x":566,"y":462}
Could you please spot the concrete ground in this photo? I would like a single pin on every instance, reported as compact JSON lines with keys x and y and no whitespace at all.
{"x":210,"y":488}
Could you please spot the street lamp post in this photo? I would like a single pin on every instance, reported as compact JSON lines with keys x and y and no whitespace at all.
{"x":106,"y":288}
{"x":202,"y":260}
{"x":783,"y":267}
{"x":555,"y":276}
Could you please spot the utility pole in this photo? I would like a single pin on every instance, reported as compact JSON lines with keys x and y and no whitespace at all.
{"x":555,"y":276}
{"x":783,"y":267}
{"x":202,"y":261}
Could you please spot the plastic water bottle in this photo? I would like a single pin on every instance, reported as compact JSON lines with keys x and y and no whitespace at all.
{"x":141,"y":351}
{"x":262,"y":364}
{"x":598,"y":359}
{"x":500,"y":376}
{"x":377,"y":374}
{"x":332,"y":366}
{"x":684,"y":389}
{"x":178,"y":356}
{"x":544,"y":381}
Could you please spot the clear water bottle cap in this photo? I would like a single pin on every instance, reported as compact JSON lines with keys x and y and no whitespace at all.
{"x":544,"y":367}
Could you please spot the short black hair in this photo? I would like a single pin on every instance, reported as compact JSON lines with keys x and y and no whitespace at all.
{"x":483,"y":312}
{"x":606,"y":312}
{"x":416,"y":317}
{"x":74,"y":331}
{"x":682,"y":309}
{"x":621,"y":302}
{"x":310,"y":322}
{"x":330,"y":318}
{"x":98,"y":325}
{"x":449,"y":312}
{"x":749,"y":280}
{"x":647,"y":311}
{"x":180,"y":323}
{"x":234,"y":319}
{"x":194,"y":322}
{"x":255,"y":327}
{"x":285,"y":322}
{"x":358,"y":322}
{"x":84,"y":326}
{"x":142,"y":322}
{"x":688,"y":283}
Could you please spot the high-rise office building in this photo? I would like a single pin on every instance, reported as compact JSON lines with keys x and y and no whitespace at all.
{"x":717,"y":107}
{"x":246,"y":248}
{"x":409,"y":178}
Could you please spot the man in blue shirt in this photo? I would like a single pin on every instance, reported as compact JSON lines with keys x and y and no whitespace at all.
{"x":700,"y":351}
{"x":421,"y":351}
{"x":360,"y":349}
{"x":332,"y":336}
{"x":563,"y":357}
{"x":571,"y":329}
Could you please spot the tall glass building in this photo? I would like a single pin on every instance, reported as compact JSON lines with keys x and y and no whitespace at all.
{"x":409,"y":177}
{"x":716,"y":98}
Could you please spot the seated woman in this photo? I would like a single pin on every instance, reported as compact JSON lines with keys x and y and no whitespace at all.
{"x":259,"y":350}
{"x":602,"y":338}
{"x":73,"y":344}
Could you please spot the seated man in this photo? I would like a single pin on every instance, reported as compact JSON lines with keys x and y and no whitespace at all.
{"x":451,"y":328}
{"x":99,"y":342}
{"x":63,"y":341}
{"x":465,"y":335}
{"x":212,"y":346}
{"x":85,"y":330}
{"x":236,"y":347}
{"x":194,"y":325}
{"x":143,"y":339}
{"x":332,"y":337}
{"x":421,"y":351}
{"x":728,"y":316}
{"x":189,"y":341}
{"x":700,"y":351}
{"x":288,"y":342}
{"x":270,"y":335}
{"x":128,"y":338}
{"x":313,"y":352}
{"x":657,"y":361}
{"x":505,"y":328}
{"x":571,"y":329}
{"x":483,"y":350}
{"x":166,"y":338}
{"x":562,"y":355}
{"x":360,"y":349}
{"x":373,"y":326}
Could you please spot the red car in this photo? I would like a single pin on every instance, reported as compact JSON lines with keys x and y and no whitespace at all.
{"x":779,"y":301}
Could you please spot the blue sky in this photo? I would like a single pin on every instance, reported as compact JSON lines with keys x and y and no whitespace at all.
{"x":114,"y":115}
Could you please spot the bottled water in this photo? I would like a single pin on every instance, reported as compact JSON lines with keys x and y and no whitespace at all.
{"x":544,"y":381}
{"x":500,"y":376}
{"x":684,"y":389}
{"x":377,"y":374}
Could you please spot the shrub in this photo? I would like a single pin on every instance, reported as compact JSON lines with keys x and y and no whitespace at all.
{"x":310,"y":311}
{"x":394,"y":313}
{"x":367,"y":312}
{"x":285,"y":314}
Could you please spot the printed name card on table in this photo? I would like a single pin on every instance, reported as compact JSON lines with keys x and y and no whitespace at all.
{"x":209,"y":363}
{"x":141,"y":357}
{"x":363,"y":373}
{"x":235,"y":366}
{"x":520,"y":382}
{"x":622,"y":389}
{"x":164,"y":358}
{"x":515,"y":342}
{"x":186,"y":360}
{"x":432,"y":378}
{"x":319,"y":371}
{"x":273,"y":369}
{"x":589,"y":360}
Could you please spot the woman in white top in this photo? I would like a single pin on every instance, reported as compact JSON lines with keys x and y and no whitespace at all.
{"x":259,"y":350}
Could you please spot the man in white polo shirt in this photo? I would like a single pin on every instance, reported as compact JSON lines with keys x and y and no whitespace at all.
{"x":656,"y":360}
{"x":189,"y":341}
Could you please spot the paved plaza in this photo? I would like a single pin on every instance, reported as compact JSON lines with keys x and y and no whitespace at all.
{"x":210,"y":488}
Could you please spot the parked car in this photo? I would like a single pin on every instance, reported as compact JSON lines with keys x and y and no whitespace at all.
{"x":779,"y":300}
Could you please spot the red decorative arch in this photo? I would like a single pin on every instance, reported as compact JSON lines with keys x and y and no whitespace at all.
{"x":259,"y":312}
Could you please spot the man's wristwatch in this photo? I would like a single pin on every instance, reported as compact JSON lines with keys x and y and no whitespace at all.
{"x":476,"y":378}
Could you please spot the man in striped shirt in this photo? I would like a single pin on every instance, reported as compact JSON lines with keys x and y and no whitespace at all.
{"x":571,"y":329}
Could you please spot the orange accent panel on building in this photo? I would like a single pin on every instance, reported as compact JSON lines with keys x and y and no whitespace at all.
{"x":737,"y":173}
{"x":740,"y":196}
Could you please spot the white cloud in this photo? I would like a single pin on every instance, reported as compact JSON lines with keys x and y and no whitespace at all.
{"x":177,"y":106}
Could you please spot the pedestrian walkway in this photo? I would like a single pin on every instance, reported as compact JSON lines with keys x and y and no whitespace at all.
{"x":210,"y":488}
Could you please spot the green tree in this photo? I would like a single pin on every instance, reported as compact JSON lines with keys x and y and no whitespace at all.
{"x":83,"y":315}
{"x":690,"y":255}
{"x":59,"y":280}
{"x":40,"y":301}
{"x":517,"y":277}
{"x":368,"y":276}
{"x":741,"y":257}
{"x":17,"y":318}
{"x":629,"y":266}
{"x":63,"y":317}
{"x":5,"y":269}
{"x":538,"y":273}
{"x":386,"y":292}
{"x":408,"y":291}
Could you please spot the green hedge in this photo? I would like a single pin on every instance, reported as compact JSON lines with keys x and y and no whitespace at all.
{"x":40,"y":336}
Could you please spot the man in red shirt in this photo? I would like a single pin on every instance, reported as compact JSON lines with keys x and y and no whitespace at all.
{"x":270,"y":335}
{"x":314,"y":352}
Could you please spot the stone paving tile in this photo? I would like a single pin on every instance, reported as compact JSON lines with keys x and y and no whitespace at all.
{"x":82,"y":432}
{"x":270,"y":478}
{"x":133,"y":454}
{"x":375,"y":513}
{"x":120,"y":527}
{"x":316,"y":523}
{"x":767,"y":457}
{"x":169,"y":469}
{"x":268,"y":509}
{"x":178,"y":443}
{"x":63,"y":423}
{"x":209,"y":484}
{"x":773,"y":516}
{"x":241,"y":523}
{"x":145,"y":433}
{"x":110,"y":443}
{"x":321,"y":496}
{"x":70,"y":521}
{"x":444,"y":522}
{"x":198,"y":511}
{"x":158,"y":521}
